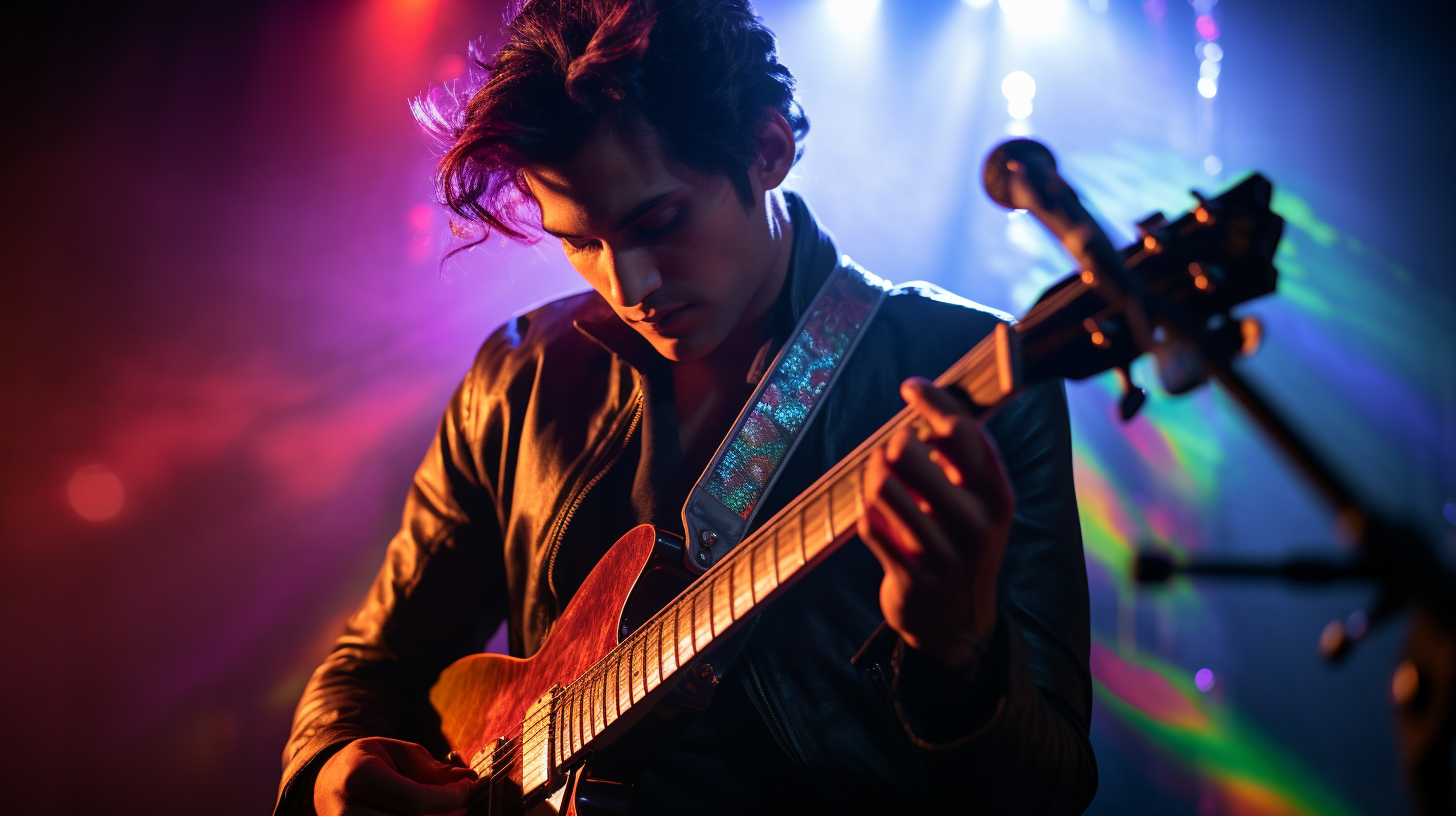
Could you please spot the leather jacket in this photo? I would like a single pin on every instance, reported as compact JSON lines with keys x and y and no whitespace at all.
{"x":562,"y":436}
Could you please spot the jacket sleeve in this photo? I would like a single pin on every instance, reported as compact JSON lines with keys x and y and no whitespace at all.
{"x":1011,"y":732}
{"x":439,"y":594}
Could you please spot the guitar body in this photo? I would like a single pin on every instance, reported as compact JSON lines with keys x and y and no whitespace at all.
{"x":482,"y":699}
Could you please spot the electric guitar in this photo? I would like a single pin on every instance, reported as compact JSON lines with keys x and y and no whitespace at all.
{"x":643,"y":626}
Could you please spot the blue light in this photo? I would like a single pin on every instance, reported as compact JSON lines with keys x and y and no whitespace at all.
{"x":1212,"y":165}
{"x":1207,"y":87}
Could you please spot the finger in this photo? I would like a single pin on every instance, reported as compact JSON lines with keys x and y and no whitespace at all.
{"x":956,"y":508}
{"x":413,"y":761}
{"x":374,"y":782}
{"x":918,"y":536}
{"x":963,"y":441}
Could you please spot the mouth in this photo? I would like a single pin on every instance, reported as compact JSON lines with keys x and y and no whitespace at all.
{"x":664,"y":321}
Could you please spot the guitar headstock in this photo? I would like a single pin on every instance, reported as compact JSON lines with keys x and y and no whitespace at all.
{"x":1208,"y":261}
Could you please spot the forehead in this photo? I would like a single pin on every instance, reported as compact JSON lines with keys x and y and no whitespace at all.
{"x":614,"y":171}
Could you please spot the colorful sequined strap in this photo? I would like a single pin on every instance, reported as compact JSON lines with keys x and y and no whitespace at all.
{"x":723,"y":502}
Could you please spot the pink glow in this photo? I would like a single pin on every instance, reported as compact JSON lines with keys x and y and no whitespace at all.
{"x":1207,"y":28}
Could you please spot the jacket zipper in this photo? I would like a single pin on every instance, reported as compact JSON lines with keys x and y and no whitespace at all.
{"x":783,"y":730}
{"x":559,"y":530}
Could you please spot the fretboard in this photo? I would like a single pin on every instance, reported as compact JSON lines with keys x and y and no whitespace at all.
{"x":736,"y":588}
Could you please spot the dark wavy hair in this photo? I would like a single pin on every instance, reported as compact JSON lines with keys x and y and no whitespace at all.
{"x":700,"y":74}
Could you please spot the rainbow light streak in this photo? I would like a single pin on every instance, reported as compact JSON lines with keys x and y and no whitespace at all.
{"x":1162,"y":704}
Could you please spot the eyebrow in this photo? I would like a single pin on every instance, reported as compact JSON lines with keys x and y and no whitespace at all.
{"x":636,"y":213}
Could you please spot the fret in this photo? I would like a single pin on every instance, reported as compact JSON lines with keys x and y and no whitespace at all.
{"x":742,"y":577}
{"x":684,"y":615}
{"x":846,"y":497}
{"x":765,"y":579}
{"x":652,"y":644}
{"x":535,"y":747}
{"x":816,"y":525}
{"x":558,"y":728}
{"x":638,"y":675}
{"x":594,"y":700}
{"x":623,"y":674}
{"x":578,"y":711}
{"x":667,"y":644}
{"x":722,"y":602}
{"x":702,"y":618}
{"x":604,"y":698}
{"x":790,"y":545}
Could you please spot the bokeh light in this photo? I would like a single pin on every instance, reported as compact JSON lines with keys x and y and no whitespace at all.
{"x":1203,"y":680}
{"x":96,"y":494}
{"x":450,"y":67}
{"x":1207,"y":28}
{"x":1212,"y":165}
{"x":1207,"y":88}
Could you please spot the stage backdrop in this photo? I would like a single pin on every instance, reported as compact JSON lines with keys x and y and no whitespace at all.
{"x":226,"y":336}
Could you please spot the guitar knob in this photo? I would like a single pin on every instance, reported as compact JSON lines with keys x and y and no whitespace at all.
{"x":1133,"y":396}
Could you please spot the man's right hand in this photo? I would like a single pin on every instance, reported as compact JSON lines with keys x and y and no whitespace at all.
{"x":375,"y":776}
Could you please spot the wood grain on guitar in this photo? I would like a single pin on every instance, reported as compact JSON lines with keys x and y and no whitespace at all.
{"x":526,"y":725}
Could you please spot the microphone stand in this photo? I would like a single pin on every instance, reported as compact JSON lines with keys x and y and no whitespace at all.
{"x":1022,"y":174}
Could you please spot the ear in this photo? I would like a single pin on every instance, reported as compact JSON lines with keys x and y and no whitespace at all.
{"x":776,"y":151}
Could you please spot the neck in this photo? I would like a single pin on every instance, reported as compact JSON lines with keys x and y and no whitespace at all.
{"x":733,"y":356}
{"x":710,"y":390}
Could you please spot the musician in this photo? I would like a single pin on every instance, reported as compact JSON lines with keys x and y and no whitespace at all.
{"x":651,"y":140}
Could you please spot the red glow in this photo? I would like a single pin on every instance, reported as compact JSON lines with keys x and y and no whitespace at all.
{"x":96,"y":493}
{"x":1207,"y":28}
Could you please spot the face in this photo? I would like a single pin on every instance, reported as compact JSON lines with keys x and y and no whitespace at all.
{"x":674,"y":251}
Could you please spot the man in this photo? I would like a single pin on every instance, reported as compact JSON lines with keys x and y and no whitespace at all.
{"x":651,"y":139}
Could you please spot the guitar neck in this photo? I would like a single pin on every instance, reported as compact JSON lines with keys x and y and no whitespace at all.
{"x":756,"y":572}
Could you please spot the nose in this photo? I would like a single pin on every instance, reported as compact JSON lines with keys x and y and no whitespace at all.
{"x":632,"y":275}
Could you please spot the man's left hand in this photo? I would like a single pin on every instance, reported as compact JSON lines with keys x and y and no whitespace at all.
{"x":938,"y":508}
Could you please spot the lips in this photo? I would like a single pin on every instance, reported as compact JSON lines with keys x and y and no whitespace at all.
{"x":664,"y":321}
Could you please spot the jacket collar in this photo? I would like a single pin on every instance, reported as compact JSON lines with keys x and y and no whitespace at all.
{"x":812,"y":258}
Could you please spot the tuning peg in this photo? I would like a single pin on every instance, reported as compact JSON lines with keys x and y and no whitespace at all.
{"x":1133,"y":397}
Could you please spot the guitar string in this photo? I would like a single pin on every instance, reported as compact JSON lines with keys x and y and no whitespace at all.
{"x":597,"y":672}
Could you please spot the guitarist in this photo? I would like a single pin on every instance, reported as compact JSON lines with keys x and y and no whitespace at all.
{"x":651,"y":140}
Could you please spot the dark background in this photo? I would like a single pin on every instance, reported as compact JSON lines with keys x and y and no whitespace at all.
{"x":220,"y":281}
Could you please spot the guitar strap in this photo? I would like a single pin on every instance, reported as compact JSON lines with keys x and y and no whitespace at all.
{"x":726,"y":498}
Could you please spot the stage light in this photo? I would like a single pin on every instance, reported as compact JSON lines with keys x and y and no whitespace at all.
{"x":1207,"y":87}
{"x":1208,"y":51}
{"x":1212,"y":165}
{"x":1019,"y":108}
{"x":1203,"y":679}
{"x":1208,"y":69}
{"x":96,"y":493}
{"x":853,"y":15}
{"x":1097,"y":6}
{"x":1034,"y":16}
